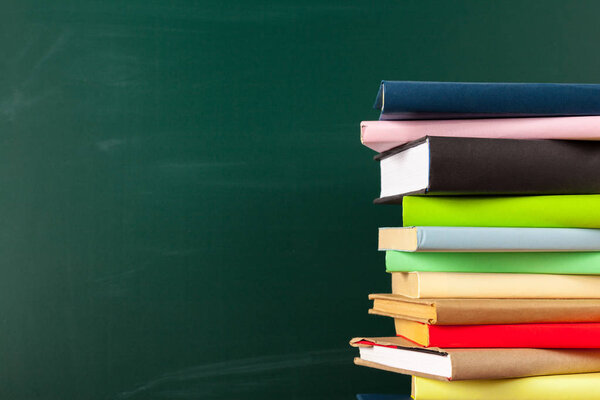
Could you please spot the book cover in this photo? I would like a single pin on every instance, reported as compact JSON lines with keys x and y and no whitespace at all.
{"x":420,"y":284}
{"x":474,"y":166}
{"x":385,"y":135}
{"x":585,"y":335}
{"x":550,"y":387}
{"x":485,"y":311}
{"x":488,"y":239}
{"x":585,"y":263}
{"x":396,"y":354}
{"x":566,"y":211}
{"x":441,"y":100}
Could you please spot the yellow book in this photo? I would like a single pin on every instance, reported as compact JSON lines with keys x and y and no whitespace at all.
{"x":431,"y":285}
{"x":550,"y":387}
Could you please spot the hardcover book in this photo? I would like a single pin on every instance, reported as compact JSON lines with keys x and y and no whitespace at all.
{"x":473,"y":166}
{"x":399,"y":355}
{"x":441,"y":100}
{"x":385,"y":135}
{"x":585,"y":335}
{"x":551,"y":387}
{"x":485,"y":311}
{"x":488,"y":239}
{"x":567,"y":211}
{"x":584,"y":263}
{"x":430,"y":285}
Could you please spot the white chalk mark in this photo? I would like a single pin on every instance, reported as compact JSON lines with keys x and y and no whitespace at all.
{"x":248,"y":366}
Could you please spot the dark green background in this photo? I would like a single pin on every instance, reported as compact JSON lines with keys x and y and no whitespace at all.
{"x":185,"y":206}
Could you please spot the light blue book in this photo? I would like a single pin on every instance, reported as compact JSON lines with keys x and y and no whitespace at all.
{"x":467,"y":239}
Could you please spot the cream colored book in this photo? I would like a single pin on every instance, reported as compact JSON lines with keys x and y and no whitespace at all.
{"x":550,"y":387}
{"x":433,"y":285}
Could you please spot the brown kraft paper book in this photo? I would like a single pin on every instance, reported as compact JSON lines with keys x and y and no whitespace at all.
{"x":485,"y":311}
{"x":485,"y":363}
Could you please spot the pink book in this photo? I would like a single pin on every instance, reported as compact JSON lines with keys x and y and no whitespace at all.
{"x":384,"y":135}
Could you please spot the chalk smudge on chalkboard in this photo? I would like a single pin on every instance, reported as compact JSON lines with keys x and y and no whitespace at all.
{"x":17,"y":98}
{"x":52,"y":50}
{"x":17,"y":101}
{"x":109,"y":144}
{"x":199,"y":165}
{"x":201,"y":378}
{"x":117,"y":276}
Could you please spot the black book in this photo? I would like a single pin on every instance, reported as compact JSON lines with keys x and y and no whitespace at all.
{"x":473,"y":166}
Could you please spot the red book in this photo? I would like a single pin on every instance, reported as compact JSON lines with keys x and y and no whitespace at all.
{"x":552,"y":335}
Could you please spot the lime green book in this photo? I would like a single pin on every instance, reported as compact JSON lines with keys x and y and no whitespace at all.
{"x":550,"y":387}
{"x":563,"y":211}
{"x":587,"y":263}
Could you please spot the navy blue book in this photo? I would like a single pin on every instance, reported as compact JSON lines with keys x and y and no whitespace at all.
{"x":453,"y":100}
{"x":383,"y":397}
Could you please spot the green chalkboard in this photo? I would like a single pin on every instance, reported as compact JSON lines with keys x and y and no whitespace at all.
{"x":185,"y":206}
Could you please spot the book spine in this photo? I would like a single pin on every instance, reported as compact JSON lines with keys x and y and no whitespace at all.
{"x":567,"y":211}
{"x":474,"y":166}
{"x":516,"y":311}
{"x":526,"y":262}
{"x":433,"y":238}
{"x":503,"y":286}
{"x":550,"y":387}
{"x":434,"y":100}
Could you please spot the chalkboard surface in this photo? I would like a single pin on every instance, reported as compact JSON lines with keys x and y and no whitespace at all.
{"x":185,"y":206}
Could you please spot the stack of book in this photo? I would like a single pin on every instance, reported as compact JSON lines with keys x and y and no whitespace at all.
{"x":496,"y":270}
